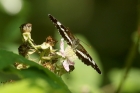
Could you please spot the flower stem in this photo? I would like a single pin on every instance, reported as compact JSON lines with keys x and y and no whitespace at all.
{"x":129,"y":61}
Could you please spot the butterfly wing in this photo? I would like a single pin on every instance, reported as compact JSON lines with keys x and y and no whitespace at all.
{"x":64,"y":32}
{"x":86,"y":58}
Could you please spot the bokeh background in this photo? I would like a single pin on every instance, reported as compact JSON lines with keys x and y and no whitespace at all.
{"x":108,"y":26}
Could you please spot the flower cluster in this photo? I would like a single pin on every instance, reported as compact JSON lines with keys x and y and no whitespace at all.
{"x":59,"y":62}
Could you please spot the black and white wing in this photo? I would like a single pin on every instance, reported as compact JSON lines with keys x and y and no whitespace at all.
{"x":80,"y":51}
{"x":64,"y":32}
{"x":83,"y":55}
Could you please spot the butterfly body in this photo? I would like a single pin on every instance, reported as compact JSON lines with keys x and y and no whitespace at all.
{"x":79,"y":50}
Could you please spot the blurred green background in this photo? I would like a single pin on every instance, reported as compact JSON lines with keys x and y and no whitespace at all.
{"x":108,"y":26}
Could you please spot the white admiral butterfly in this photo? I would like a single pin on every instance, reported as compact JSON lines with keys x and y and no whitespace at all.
{"x":74,"y":43}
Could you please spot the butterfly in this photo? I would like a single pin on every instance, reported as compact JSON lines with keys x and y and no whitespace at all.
{"x":79,"y":50}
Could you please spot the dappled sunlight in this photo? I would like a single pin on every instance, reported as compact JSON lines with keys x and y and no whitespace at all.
{"x":12,"y":7}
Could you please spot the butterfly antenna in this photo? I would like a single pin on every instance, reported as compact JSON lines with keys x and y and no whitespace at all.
{"x":85,"y":43}
{"x":79,"y":39}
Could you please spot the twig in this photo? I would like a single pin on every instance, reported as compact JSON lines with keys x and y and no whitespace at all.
{"x":129,"y":61}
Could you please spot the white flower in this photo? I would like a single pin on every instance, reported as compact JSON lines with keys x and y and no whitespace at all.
{"x":68,"y":55}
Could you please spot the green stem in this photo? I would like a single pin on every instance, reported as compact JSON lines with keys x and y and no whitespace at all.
{"x":129,"y":61}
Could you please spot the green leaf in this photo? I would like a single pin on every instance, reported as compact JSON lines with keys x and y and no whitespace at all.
{"x":37,"y":76}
